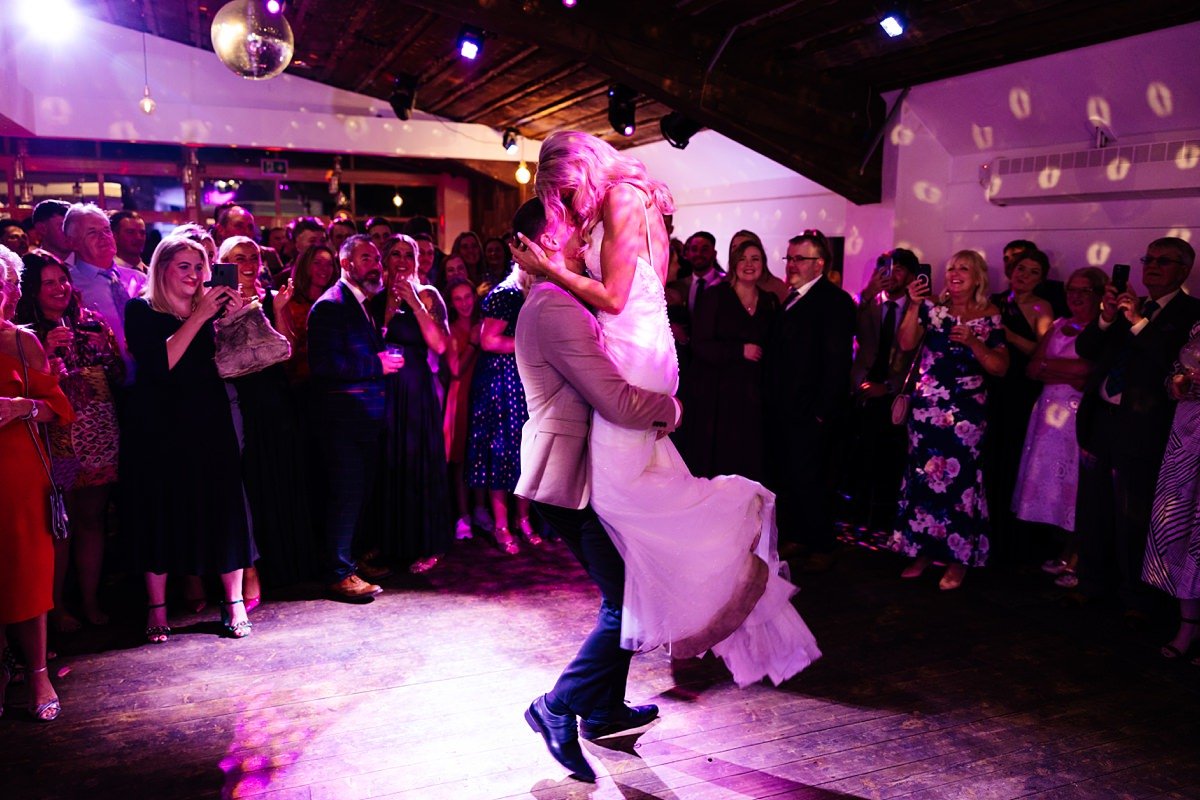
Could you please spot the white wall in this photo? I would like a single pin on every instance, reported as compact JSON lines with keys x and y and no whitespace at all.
{"x":1145,"y":87}
{"x":722,"y":187}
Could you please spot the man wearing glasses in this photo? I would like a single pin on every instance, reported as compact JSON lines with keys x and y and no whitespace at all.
{"x":1125,"y":418}
{"x":806,"y":396}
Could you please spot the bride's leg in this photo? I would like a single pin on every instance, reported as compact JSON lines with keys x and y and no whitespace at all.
{"x":504,"y":537}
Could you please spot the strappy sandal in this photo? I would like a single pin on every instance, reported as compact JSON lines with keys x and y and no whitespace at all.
{"x":236,"y":631}
{"x":47,"y":711}
{"x":509,"y":545}
{"x":157,"y":634}
{"x":1172,"y":653}
{"x":528,"y":532}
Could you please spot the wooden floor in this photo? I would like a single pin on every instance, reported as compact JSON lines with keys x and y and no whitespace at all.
{"x":996,"y":691}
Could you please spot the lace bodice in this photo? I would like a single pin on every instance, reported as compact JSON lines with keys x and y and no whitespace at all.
{"x":639,"y":338}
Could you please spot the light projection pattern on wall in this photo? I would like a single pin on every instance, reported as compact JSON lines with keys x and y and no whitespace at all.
{"x":1020,"y":103}
{"x":983,"y":135}
{"x":1158,"y":96}
{"x":1098,"y":253}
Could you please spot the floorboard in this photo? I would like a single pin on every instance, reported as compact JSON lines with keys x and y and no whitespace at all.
{"x":996,"y":691}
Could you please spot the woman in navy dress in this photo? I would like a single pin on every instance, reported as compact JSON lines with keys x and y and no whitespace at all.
{"x":943,"y":513}
{"x":498,"y":411}
{"x":417,"y":527}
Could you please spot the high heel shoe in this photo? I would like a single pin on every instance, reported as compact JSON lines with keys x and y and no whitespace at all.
{"x":528,"y":532}
{"x":157,"y":634}
{"x":953,"y":577}
{"x":47,"y":711}
{"x":239,"y":630}
{"x":252,"y":603}
{"x":506,"y":542}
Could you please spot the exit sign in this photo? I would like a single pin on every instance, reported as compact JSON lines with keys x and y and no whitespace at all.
{"x":275,"y":166}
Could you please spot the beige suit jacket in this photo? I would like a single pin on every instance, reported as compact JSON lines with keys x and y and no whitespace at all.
{"x":566,"y":374}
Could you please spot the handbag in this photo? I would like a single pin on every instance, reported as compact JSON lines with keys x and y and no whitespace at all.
{"x":903,"y":401}
{"x":60,"y":523}
{"x":247,"y":343}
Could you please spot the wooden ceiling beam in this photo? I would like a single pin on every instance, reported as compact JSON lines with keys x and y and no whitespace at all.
{"x":521,"y":56}
{"x":347,"y":38}
{"x":793,"y":120}
{"x":529,"y":87}
{"x":385,"y":64}
{"x":578,"y":96}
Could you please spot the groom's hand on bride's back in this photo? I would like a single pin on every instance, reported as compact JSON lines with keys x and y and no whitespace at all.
{"x":678,"y":419}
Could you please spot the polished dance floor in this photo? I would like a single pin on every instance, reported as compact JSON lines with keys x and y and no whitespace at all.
{"x":999,"y":690}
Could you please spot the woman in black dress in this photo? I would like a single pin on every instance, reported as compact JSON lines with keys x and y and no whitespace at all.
{"x":275,"y":465}
{"x":183,"y":454}
{"x":728,"y":331}
{"x":417,"y":527}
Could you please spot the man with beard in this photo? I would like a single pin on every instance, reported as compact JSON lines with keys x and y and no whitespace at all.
{"x":348,"y":361}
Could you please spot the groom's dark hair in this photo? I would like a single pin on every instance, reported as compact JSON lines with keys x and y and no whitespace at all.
{"x":530,"y":219}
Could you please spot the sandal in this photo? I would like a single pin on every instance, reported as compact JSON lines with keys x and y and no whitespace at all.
{"x":157,"y":634}
{"x":528,"y":532}
{"x":505,"y":541}
{"x":239,"y":630}
{"x":953,"y":577}
{"x":1067,"y":579}
{"x":1172,"y":653}
{"x":47,"y":711}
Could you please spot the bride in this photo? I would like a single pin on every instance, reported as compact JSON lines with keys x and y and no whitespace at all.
{"x":701,"y":566}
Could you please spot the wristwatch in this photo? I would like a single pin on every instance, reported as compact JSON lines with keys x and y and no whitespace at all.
{"x":33,"y":410}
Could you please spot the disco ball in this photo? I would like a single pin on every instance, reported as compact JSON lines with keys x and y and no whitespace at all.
{"x":252,"y":41}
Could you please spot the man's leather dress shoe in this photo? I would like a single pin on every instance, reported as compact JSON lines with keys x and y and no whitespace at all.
{"x":626,"y":718}
{"x":562,"y":738}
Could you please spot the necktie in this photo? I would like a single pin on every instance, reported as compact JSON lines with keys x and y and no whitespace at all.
{"x":1114,"y":385}
{"x":791,"y":299}
{"x":887,"y":335}
{"x":119,"y":296}
{"x":698,"y":284}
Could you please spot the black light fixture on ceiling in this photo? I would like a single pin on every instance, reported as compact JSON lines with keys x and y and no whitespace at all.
{"x":509,"y":140}
{"x":678,"y":129}
{"x":470,"y":42}
{"x":621,"y":109}
{"x":894,"y":22}
{"x":404,"y":95}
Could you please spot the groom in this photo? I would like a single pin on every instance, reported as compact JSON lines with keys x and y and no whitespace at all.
{"x":566,"y":374}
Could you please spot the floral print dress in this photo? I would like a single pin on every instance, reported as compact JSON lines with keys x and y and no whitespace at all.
{"x":943,"y":509}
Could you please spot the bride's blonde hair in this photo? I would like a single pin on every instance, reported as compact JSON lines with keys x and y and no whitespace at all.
{"x":576,"y":170}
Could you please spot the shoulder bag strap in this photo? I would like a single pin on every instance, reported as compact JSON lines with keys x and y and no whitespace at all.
{"x":910,"y":379}
{"x":44,"y":455}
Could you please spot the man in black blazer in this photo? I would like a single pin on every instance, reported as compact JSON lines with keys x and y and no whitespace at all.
{"x":1124,"y":419}
{"x":877,"y":457}
{"x":807,"y":374}
{"x":348,"y":361}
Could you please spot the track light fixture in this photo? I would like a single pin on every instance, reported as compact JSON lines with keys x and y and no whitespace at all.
{"x":404,"y":95}
{"x":509,"y":140}
{"x":470,"y":42}
{"x":621,"y":109}
{"x":678,"y":129}
{"x":894,"y":23}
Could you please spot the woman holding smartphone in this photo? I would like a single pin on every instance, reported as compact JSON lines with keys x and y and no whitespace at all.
{"x":84,"y":451}
{"x":183,"y":454}
{"x":943,"y":514}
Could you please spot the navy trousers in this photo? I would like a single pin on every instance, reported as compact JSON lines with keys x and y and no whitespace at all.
{"x":351,"y":452}
{"x":593,"y":684}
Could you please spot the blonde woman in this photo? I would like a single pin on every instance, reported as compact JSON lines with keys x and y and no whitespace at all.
{"x":943,"y":513}
{"x":183,"y":459}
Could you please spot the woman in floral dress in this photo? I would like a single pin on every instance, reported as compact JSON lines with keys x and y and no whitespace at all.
{"x":943,"y":509}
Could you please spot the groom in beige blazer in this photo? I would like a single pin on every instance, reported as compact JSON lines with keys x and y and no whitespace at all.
{"x":566,"y":374}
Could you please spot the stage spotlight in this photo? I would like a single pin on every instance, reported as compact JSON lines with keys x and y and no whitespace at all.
{"x":49,"y":20}
{"x":678,"y":129}
{"x":621,"y":109}
{"x":274,"y":6}
{"x":509,"y":140}
{"x":404,"y":95}
{"x":894,"y":24}
{"x":470,"y":42}
{"x":569,"y":3}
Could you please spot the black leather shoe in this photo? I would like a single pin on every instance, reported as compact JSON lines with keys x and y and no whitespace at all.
{"x":633,"y":717}
{"x":562,"y":739}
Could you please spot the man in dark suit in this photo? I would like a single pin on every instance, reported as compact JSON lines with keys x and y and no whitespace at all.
{"x":880,"y":366}
{"x":1124,"y":419}
{"x":566,"y":374}
{"x":807,"y":375}
{"x":348,"y":362}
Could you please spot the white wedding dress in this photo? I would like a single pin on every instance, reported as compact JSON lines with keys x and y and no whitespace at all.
{"x":701,"y":565}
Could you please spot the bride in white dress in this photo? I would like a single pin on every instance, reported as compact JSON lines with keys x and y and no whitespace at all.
{"x":701,"y":565}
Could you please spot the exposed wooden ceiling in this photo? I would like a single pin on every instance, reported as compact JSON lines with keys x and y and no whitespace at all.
{"x":797,"y":81}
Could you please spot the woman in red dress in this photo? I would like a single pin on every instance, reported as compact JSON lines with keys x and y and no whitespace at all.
{"x":29,"y":395}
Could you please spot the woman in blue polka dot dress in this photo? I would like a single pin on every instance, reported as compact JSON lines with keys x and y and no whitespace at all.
{"x":498,"y":411}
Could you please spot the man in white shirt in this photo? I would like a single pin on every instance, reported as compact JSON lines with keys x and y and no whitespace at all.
{"x":48,"y":222}
{"x":129,"y":232}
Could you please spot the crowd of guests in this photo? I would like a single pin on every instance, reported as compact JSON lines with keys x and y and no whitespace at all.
{"x":1034,"y":414}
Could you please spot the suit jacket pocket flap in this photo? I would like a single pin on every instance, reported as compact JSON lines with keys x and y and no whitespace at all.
{"x":564,"y":427}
